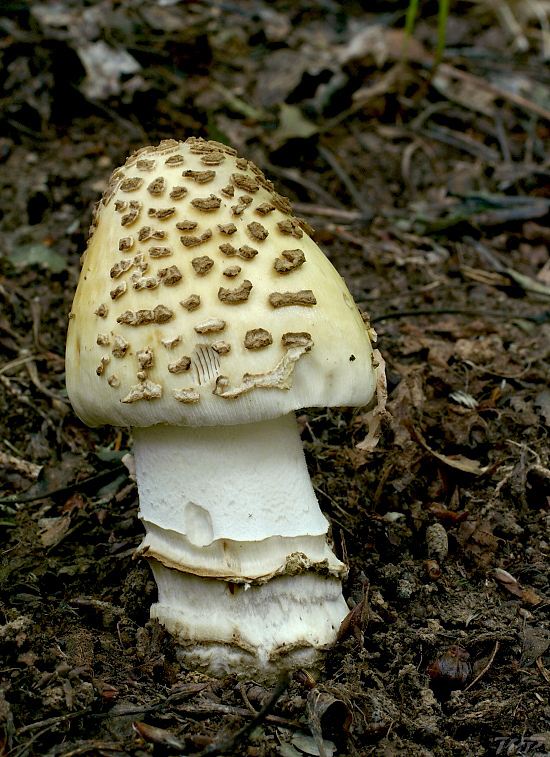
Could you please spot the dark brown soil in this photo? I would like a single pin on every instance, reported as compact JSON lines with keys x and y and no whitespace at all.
{"x":429,"y":189}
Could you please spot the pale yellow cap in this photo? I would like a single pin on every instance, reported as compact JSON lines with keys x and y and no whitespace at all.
{"x":203,"y":301}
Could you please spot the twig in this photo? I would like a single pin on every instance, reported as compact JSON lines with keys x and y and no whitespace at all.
{"x":341,"y":213}
{"x":246,"y":700}
{"x":23,"y":398}
{"x":108,"y":746}
{"x":486,"y":668}
{"x":23,"y":748}
{"x":522,"y":102}
{"x":345,"y":179}
{"x":50,"y":721}
{"x":461,"y":142}
{"x":226,"y":744}
{"x":543,"y":671}
{"x":16,"y":362}
{"x":294,"y":176}
{"x":543,"y":317}
{"x":86,"y":484}
{"x":226,"y":709}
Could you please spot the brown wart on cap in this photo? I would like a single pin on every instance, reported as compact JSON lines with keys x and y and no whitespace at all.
{"x":236,"y":295}
{"x":170,"y":276}
{"x":157,"y":186}
{"x":159,"y":314}
{"x":145,"y":390}
{"x":255,"y":339}
{"x":187,"y":396}
{"x":281,"y":203}
{"x":210,"y":325}
{"x":192,"y":302}
{"x":242,"y":181}
{"x":201,"y":177}
{"x":202,"y":265}
{"x":174,"y":160}
{"x":159,"y":252}
{"x":180,"y":365}
{"x":171,"y":342}
{"x":145,"y":358}
{"x":290,"y":227}
{"x":131,"y":185}
{"x":118,"y":291}
{"x":297,"y":339}
{"x":214,"y":158}
{"x":257,"y":231}
{"x":102,"y":365}
{"x":192,"y":241}
{"x":206,"y":204}
{"x":145,"y":165}
{"x":292,"y":259}
{"x":232,"y":271}
{"x":178,"y":192}
{"x":121,"y":267}
{"x":140,"y":282}
{"x":120,"y":346}
{"x":278,"y":378}
{"x":200,"y":146}
{"x":161,"y":213}
{"x":304,"y":297}
{"x":146,"y":232}
{"x":265,"y":208}
{"x":221,"y":347}
{"x":134,"y":212}
{"x":239,"y":209}
{"x":125,"y":244}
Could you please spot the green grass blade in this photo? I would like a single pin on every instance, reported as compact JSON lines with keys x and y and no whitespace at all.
{"x":410,"y":18}
{"x":442,"y":16}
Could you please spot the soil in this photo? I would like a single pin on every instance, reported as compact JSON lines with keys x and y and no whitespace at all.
{"x":428,"y":184}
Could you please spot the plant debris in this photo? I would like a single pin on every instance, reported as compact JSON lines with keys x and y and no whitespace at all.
{"x":427,"y":181}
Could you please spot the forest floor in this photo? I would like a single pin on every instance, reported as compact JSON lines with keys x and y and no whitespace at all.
{"x":428,"y":185}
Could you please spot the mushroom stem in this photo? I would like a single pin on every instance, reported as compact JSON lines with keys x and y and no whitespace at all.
{"x":237,"y":542}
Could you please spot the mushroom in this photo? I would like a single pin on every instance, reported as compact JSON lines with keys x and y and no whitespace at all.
{"x":209,"y":371}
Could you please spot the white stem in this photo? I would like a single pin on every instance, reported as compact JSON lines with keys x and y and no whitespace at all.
{"x":238,"y":546}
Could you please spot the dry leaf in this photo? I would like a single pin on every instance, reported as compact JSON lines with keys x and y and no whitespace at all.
{"x":52,"y":530}
{"x":31,"y":470}
{"x":508,"y":582}
{"x":374,"y":417}
{"x":478,"y":541}
{"x":155,"y":735}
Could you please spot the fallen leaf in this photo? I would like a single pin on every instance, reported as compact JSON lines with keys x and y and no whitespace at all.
{"x":508,"y":582}
{"x":104,"y":68}
{"x":37,"y":254}
{"x":157,"y":735}
{"x":308,"y":745}
{"x":292,"y":125}
{"x":52,"y":530}
{"x":460,"y":462}
{"x":478,"y":540}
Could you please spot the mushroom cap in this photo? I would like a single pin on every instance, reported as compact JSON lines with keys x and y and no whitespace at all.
{"x":203,"y":301}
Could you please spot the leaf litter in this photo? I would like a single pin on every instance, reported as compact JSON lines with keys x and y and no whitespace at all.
{"x":428,"y":187}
